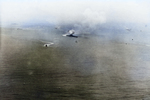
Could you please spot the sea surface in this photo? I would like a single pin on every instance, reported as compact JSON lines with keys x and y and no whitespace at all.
{"x":86,"y":68}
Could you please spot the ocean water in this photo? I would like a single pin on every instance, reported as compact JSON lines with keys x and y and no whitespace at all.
{"x":91,"y":68}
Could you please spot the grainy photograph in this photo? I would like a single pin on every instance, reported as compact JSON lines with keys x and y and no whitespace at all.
{"x":74,"y":50}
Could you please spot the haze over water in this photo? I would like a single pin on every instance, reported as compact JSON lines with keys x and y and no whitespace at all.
{"x":91,"y":68}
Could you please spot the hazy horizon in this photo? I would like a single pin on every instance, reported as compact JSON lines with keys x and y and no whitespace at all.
{"x":83,"y":13}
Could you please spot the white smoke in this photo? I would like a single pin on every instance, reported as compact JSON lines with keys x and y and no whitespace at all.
{"x":83,"y":12}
